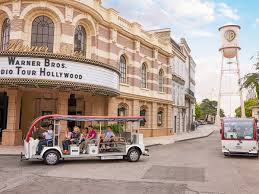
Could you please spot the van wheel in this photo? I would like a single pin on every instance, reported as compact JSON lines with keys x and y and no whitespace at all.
{"x":51,"y":157}
{"x":133,"y":155}
{"x":226,"y":154}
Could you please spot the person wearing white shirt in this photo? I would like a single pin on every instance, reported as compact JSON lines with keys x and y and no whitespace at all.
{"x":47,"y":135}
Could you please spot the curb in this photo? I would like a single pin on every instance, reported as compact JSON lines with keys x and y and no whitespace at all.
{"x":196,"y":137}
{"x":153,"y":145}
{"x":193,"y":138}
{"x":10,"y":154}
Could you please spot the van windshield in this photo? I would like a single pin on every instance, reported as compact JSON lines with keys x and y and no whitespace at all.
{"x":238,"y":130}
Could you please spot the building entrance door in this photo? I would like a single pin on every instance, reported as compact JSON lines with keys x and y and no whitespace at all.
{"x":72,"y":101}
{"x":175,"y":124}
{"x":3,"y":112}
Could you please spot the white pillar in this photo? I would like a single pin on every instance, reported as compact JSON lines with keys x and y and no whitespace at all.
{"x":240,"y":91}
{"x":217,"y":120}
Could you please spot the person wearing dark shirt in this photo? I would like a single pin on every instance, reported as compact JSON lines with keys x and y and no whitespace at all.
{"x":74,"y":139}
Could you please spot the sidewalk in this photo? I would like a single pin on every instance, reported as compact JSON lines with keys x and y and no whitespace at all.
{"x":10,"y":150}
{"x":201,"y":131}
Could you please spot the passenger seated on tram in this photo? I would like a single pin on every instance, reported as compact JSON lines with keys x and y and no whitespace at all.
{"x":109,"y":136}
{"x":74,"y":139}
{"x":68,"y":133}
{"x":92,"y":134}
{"x":47,"y":137}
{"x":83,"y":139}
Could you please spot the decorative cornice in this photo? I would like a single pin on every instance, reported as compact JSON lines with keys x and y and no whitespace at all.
{"x":178,"y":79}
{"x":57,"y":85}
{"x":145,"y":98}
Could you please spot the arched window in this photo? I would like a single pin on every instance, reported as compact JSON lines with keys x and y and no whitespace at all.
{"x":142,"y":113}
{"x":122,"y":109}
{"x":161,"y":80}
{"x":80,"y":39}
{"x":5,"y":36}
{"x":144,"y":76}
{"x":43,"y":32}
{"x":123,"y":69}
{"x":160,"y":118}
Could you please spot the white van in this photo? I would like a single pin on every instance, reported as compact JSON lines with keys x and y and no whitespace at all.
{"x":239,"y":136}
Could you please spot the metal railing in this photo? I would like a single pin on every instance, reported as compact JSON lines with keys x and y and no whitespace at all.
{"x":190,"y":92}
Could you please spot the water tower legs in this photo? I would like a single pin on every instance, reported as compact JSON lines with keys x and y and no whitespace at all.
{"x":217,"y":119}
{"x":240,"y":91}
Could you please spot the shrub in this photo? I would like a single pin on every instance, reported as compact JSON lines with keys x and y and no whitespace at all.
{"x":117,"y":128}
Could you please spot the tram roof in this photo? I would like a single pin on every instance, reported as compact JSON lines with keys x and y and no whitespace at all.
{"x":98,"y":118}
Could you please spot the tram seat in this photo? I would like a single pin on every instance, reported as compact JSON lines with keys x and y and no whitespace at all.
{"x":33,"y":145}
{"x":127,"y":136}
{"x":96,"y":140}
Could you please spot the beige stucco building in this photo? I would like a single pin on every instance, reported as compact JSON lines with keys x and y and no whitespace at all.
{"x":78,"y":57}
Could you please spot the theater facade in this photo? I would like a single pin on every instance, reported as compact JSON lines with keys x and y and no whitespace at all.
{"x":80,"y":58}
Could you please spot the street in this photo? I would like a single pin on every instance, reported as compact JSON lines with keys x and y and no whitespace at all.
{"x":194,"y":166}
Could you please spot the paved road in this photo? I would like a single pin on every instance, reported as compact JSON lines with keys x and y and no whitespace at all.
{"x":195,"y":166}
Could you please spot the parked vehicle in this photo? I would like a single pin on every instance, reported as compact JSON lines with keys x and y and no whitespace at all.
{"x":129,"y":146}
{"x":202,"y":122}
{"x":239,"y":136}
{"x":210,"y":122}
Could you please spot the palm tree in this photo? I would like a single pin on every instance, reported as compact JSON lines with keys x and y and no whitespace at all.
{"x":251,"y":80}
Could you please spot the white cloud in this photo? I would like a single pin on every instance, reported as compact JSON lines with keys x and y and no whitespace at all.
{"x":227,"y":11}
{"x":200,"y":33}
{"x":163,"y":13}
{"x":187,"y":16}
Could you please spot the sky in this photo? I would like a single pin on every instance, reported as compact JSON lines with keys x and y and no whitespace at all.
{"x":198,"y":22}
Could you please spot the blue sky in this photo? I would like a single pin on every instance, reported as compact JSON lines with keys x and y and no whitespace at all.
{"x":198,"y":21}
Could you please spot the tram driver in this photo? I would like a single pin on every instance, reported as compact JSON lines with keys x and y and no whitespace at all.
{"x":47,"y":137}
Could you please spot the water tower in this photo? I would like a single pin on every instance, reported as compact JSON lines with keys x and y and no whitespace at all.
{"x":230,"y":63}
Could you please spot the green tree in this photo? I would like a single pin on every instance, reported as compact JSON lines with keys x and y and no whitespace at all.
{"x":248,"y":107}
{"x":251,"y":80}
{"x":222,"y":113}
{"x":198,"y":112}
{"x":209,"y":107}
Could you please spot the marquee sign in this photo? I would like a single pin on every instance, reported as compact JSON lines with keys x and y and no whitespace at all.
{"x":16,"y":67}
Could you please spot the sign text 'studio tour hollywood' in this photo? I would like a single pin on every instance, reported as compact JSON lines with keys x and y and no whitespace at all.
{"x":41,"y":68}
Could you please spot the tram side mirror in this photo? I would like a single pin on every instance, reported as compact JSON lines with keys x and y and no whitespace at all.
{"x":220,"y":131}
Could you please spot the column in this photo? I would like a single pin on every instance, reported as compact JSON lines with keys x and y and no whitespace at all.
{"x":169,"y":120}
{"x":135,"y":112}
{"x":112,"y":107}
{"x":62,"y":108}
{"x":154,"y":118}
{"x":12,"y":135}
{"x":88,"y":108}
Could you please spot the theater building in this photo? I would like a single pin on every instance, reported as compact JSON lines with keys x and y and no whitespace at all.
{"x":78,"y":57}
